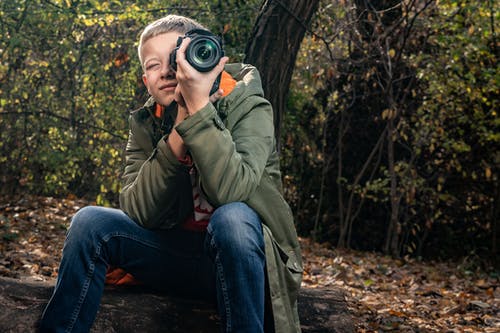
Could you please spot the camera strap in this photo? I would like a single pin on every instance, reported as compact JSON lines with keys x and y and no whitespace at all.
{"x":167,"y":122}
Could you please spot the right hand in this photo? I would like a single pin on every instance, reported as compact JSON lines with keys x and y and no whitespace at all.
{"x":193,"y":87}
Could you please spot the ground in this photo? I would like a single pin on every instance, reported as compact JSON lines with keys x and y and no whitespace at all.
{"x":385,"y":294}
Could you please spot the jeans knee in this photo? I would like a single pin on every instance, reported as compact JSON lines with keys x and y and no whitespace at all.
{"x":83,"y":220}
{"x":89,"y":223}
{"x":237,"y":228}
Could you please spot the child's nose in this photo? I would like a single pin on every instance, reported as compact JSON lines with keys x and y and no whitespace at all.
{"x":167,"y":70}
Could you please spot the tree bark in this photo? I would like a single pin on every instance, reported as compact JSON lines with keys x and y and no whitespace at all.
{"x":273,"y":46}
{"x":135,"y":309}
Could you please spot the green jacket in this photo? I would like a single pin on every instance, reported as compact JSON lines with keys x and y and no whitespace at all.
{"x":233,"y":147}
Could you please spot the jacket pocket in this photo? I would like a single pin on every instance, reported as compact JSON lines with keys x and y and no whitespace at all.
{"x":291,"y":269}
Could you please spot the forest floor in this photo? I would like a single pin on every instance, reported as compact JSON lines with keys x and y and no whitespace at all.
{"x":384,"y":294}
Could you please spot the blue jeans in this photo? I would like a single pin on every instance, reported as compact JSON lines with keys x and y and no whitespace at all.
{"x":226,"y":264}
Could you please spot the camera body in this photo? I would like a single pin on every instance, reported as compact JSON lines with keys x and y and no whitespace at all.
{"x":203,"y":52}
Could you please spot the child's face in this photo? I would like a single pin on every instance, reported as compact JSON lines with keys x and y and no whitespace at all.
{"x":158,"y":76}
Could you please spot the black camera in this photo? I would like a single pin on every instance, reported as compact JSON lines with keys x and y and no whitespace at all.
{"x":203,"y":52}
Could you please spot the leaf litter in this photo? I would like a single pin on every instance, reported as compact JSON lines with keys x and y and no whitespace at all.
{"x":384,"y":294}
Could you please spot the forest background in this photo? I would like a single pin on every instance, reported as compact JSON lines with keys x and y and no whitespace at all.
{"x":388,"y":128}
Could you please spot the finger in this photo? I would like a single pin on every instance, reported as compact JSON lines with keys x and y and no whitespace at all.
{"x":216,"y":95}
{"x":222,"y":62}
{"x":181,"y":52}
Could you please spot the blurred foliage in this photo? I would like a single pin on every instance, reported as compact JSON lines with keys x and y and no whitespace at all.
{"x":390,"y":140}
{"x":393,"y":117}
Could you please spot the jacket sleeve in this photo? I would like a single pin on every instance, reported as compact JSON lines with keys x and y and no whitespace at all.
{"x":230,"y":163}
{"x":150,"y":194}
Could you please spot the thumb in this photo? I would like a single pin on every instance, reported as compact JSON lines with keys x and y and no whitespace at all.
{"x":222,"y":62}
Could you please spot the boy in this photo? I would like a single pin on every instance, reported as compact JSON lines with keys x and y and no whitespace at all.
{"x":202,"y":213}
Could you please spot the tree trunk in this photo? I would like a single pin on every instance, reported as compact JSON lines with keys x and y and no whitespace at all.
{"x":135,"y":309}
{"x":273,"y":47}
{"x":394,"y":229}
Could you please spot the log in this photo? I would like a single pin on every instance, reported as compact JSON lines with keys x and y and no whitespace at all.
{"x":137,"y":309}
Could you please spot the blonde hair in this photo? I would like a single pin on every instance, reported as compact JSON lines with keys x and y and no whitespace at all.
{"x":164,"y":25}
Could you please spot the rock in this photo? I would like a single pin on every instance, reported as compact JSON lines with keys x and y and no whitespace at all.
{"x":136,"y":309}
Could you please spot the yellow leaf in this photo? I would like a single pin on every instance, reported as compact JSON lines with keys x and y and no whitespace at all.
{"x":388,"y":114}
{"x":392,"y":53}
{"x":487,"y":172}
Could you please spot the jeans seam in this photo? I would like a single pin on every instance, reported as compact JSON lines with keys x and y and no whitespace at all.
{"x":223,"y":286}
{"x":86,"y":284}
{"x":129,"y":236}
{"x":85,"y":289}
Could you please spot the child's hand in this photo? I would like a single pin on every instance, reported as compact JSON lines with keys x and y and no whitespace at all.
{"x":181,"y":114}
{"x":193,"y":87}
{"x":216,"y":95}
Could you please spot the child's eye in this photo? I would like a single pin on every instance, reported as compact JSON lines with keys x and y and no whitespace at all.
{"x":152,"y":66}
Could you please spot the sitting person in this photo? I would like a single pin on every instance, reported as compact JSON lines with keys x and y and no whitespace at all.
{"x":202,"y":213}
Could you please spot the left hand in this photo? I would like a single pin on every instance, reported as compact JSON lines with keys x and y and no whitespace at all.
{"x":193,"y":87}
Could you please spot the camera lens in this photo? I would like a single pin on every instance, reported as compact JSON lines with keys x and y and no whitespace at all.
{"x":203,"y":53}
